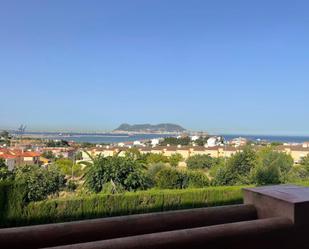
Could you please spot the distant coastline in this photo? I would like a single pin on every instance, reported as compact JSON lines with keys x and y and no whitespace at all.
{"x":112,"y":137}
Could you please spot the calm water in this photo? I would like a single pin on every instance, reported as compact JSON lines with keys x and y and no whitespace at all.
{"x":284,"y":139}
{"x":117,"y":138}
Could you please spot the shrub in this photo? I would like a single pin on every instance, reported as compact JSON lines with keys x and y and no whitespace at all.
{"x":39,"y":182}
{"x":175,"y":158}
{"x":171,"y":178}
{"x":102,"y":205}
{"x":156,"y":158}
{"x":237,"y":169}
{"x":273,"y":167}
{"x":196,"y":179}
{"x":5,"y":174}
{"x":201,"y":162}
{"x":67,"y":167}
{"x":124,"y":171}
{"x":72,"y":185}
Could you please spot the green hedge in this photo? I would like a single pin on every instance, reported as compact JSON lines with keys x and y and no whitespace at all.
{"x":99,"y":205}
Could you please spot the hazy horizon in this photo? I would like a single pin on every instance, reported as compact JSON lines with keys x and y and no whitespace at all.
{"x":211,"y":132}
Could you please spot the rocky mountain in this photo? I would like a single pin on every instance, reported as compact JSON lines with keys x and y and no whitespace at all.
{"x":149,"y":128}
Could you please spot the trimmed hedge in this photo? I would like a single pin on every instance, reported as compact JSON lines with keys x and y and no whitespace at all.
{"x":99,"y":205}
{"x":11,"y":201}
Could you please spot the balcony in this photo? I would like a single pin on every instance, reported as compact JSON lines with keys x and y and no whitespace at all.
{"x":271,"y":217}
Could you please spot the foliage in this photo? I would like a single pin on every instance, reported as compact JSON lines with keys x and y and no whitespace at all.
{"x":78,"y":155}
{"x":67,"y":167}
{"x":135,"y":154}
{"x":273,"y":167}
{"x":124,"y":171}
{"x":5,"y":174}
{"x":175,"y":159}
{"x":273,"y":144}
{"x":56,"y":143}
{"x":39,"y":182}
{"x":300,"y":171}
{"x":196,"y":179}
{"x":48,"y":154}
{"x":72,"y":185}
{"x":171,"y":178}
{"x":106,"y":205}
{"x":5,"y":138}
{"x":201,"y":162}
{"x":156,"y":158}
{"x":152,"y":173}
{"x":237,"y":169}
{"x":202,"y":140}
{"x":176,"y":141}
{"x":87,"y":145}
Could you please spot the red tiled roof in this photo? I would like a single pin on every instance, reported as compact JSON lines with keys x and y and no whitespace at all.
{"x":7,"y":156}
{"x":30,"y":154}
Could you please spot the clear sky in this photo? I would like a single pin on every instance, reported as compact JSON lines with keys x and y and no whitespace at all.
{"x":222,"y":66}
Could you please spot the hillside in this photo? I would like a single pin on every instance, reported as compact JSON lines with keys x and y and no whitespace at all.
{"x":149,"y":128}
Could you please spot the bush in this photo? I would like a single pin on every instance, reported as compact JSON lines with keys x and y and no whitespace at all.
{"x":39,"y":182}
{"x":201,"y":162}
{"x":196,"y":179}
{"x":171,"y":178}
{"x":5,"y":174}
{"x":72,"y":185}
{"x":124,"y":171}
{"x":11,"y":202}
{"x":102,"y":205}
{"x":156,"y":158}
{"x":174,"y":159}
{"x":237,"y":169}
{"x":273,"y":167}
{"x":67,"y":167}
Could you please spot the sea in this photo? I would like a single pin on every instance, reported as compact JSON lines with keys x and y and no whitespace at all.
{"x":108,"y":138}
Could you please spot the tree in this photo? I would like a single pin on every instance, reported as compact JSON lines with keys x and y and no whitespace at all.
{"x":201,"y":162}
{"x":48,"y":154}
{"x":300,"y":171}
{"x":196,"y":179}
{"x":201,"y":141}
{"x":175,"y":159}
{"x":273,"y":167}
{"x":123,"y":171}
{"x":237,"y":169}
{"x":171,"y":178}
{"x":135,"y":154}
{"x":156,"y":158}
{"x":39,"y":182}
{"x":67,"y":167}
{"x":55,"y":143}
{"x":5,"y":174}
{"x":176,"y":141}
{"x":5,"y":135}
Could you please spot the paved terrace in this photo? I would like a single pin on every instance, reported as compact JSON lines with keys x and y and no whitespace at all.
{"x":271,"y":217}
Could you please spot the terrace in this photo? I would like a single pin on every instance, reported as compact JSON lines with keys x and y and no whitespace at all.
{"x":270,"y":217}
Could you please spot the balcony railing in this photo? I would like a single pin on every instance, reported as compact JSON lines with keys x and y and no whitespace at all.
{"x":271,"y":217}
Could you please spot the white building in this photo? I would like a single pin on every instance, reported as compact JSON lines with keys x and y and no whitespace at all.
{"x":212,"y":142}
{"x":154,"y":142}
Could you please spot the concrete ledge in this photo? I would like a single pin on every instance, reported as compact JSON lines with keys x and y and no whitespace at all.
{"x":108,"y":228}
{"x":255,"y":234}
{"x":287,"y":201}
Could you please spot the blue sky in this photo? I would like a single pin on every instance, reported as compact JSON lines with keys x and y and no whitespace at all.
{"x":222,"y":66}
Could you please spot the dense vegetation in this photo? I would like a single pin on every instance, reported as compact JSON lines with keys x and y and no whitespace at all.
{"x":13,"y":213}
{"x":108,"y":184}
